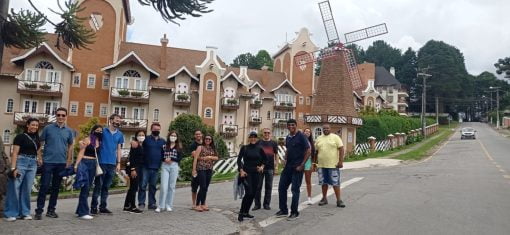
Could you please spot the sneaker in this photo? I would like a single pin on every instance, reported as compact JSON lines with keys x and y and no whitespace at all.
{"x":127,"y":209}
{"x":105,"y":211}
{"x":169,"y":209}
{"x":38,"y":216}
{"x":157,"y":210}
{"x":240,"y":217}
{"x":86,"y":217}
{"x":10,"y":219}
{"x":141,"y":206}
{"x":152,"y":207}
{"x":280,"y":214}
{"x":267,"y":208}
{"x":52,"y":214}
{"x":255,"y":208}
{"x":136,"y":211}
{"x":27,"y":217}
{"x":93,"y":211}
{"x":323,"y":202}
{"x":247,"y":215}
{"x":309,"y":201}
{"x":340,"y":203}
{"x":293,"y":216}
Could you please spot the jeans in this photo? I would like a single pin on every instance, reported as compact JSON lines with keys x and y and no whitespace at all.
{"x":101,"y":185}
{"x":83,"y":206}
{"x":149,"y":176}
{"x":268,"y":189}
{"x":17,"y":202}
{"x":169,"y":174}
{"x":50,"y":173}
{"x":130,"y":202}
{"x":250,"y":182}
{"x":204,"y":179}
{"x":289,"y":176}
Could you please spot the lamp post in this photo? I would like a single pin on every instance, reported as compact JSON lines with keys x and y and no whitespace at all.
{"x":497,"y":105}
{"x":424,"y":102}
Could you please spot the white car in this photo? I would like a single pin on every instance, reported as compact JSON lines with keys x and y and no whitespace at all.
{"x":467,"y":133}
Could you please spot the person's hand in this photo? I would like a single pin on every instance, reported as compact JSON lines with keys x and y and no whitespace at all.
{"x":68,"y":164}
{"x":15,"y":173}
{"x":242,"y":173}
{"x":194,"y":173}
{"x":275,"y":172}
{"x":314,"y":167}
{"x":340,"y":165}
{"x":82,"y":144}
{"x":260,"y":169}
{"x":168,"y":160}
{"x":133,"y":174}
{"x":118,"y":167}
{"x":39,"y":161}
{"x":300,"y":167}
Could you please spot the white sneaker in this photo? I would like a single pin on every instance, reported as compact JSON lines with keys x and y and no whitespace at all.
{"x":28,"y":217}
{"x":10,"y":219}
{"x":309,"y":201}
{"x":157,"y":210}
{"x":86,"y":217}
{"x":169,"y":209}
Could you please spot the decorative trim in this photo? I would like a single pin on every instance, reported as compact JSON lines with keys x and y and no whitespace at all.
{"x":183,"y":68}
{"x":333,"y":119}
{"x":131,"y":53}
{"x":258,"y":84}
{"x":33,"y":50}
{"x":290,"y":84}
{"x":231,"y":73}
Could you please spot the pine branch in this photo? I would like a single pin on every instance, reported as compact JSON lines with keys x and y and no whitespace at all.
{"x":71,"y":30}
{"x":22,"y":29}
{"x":172,"y":10}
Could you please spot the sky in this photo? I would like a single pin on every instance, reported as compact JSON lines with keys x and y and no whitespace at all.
{"x":478,"y":28}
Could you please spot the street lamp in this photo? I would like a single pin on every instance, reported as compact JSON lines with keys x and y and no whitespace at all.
{"x":497,"y":105}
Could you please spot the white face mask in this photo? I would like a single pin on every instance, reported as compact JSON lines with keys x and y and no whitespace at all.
{"x":140,"y":138}
{"x":173,"y":138}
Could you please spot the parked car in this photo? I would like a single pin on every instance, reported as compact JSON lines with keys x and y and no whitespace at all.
{"x":467,"y":133}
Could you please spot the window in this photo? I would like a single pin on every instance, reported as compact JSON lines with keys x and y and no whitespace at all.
{"x":308,"y":100}
{"x":50,"y":107}
{"x":140,"y":84}
{"x":44,"y":65}
{"x":76,"y":80}
{"x":132,"y":73}
{"x":155,"y":115}
{"x":254,"y":129}
{"x":208,"y":113}
{"x":284,"y":98}
{"x":73,"y":108}
{"x":138,"y":113}
{"x":301,"y":99}
{"x":122,"y":82}
{"x":317,"y":132}
{"x":9,"y":106}
{"x":287,"y":115}
{"x":268,"y":115}
{"x":120,"y":110}
{"x":277,"y":115}
{"x":300,"y":116}
{"x":53,"y":76}
{"x":106,"y":82}
{"x":210,"y":85}
{"x":30,"y":106}
{"x":103,"y":110}
{"x":91,"y":81}
{"x":7,"y":137}
{"x":32,"y":75}
{"x":89,"y":109}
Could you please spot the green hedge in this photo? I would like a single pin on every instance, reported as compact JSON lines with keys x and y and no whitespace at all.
{"x":380,"y":126}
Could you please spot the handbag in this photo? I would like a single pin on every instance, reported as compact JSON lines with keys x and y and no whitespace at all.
{"x":99,"y":171}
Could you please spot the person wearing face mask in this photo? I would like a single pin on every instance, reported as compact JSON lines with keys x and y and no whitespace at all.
{"x":133,"y":169}
{"x":169,"y":171}
{"x":85,"y":168}
{"x":153,"y":151}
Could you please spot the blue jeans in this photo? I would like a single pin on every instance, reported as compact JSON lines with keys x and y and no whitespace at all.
{"x":83,"y":206}
{"x":101,"y":185}
{"x":150,"y":177}
{"x":289,"y":176}
{"x":50,"y":173}
{"x":17,"y":202}
{"x":169,"y":174}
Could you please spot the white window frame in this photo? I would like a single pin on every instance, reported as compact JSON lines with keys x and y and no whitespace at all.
{"x":155,"y":115}
{"x":7,"y":105}
{"x":88,"y":104}
{"x":6,"y":136}
{"x":55,"y":105}
{"x":76,"y":75}
{"x":140,"y":84}
{"x":120,"y":107}
{"x":71,"y":104}
{"x":31,"y":105}
{"x":308,"y":100}
{"x":106,"y":85}
{"x":207,"y":85}
{"x":124,"y":82}
{"x":317,"y":132}
{"x":211,"y":114}
{"x":53,"y":74}
{"x":140,"y":111}
{"x":30,"y":75}
{"x":91,"y":77}
{"x":103,"y":107}
{"x":301,"y":99}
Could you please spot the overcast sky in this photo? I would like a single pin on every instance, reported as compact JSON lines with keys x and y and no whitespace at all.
{"x":479,"y":28}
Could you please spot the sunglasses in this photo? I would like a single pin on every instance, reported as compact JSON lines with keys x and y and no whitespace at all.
{"x":61,"y":115}
{"x":267,"y":132}
{"x":208,"y":138}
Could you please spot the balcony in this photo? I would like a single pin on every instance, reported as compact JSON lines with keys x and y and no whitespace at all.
{"x":129,"y":95}
{"x":230,"y":103}
{"x":228,"y":131}
{"x":182,"y":100}
{"x":255,"y":103}
{"x":279,"y":122}
{"x":51,"y":89}
{"x":20,"y":118}
{"x":281,"y":105}
{"x":255,"y":120}
{"x":130,"y":124}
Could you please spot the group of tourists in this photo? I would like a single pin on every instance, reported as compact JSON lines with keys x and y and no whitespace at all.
{"x":99,"y":158}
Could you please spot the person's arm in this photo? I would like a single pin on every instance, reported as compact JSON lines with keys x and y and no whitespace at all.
{"x":240,"y":160}
{"x":81,"y":153}
{"x":70,"y":143}
{"x":340,"y":157}
{"x":307,"y":154}
{"x":276,"y":157}
{"x":133,"y":163}
{"x":14,"y":158}
{"x":195,"y":160}
{"x":119,"y":155}
{"x":40,"y":154}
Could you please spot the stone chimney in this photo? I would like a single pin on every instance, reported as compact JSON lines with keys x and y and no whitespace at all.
{"x":162,"y":60}
{"x":392,"y":71}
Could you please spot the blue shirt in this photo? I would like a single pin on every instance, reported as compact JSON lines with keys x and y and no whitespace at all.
{"x":154,"y":151}
{"x":296,"y":149}
{"x":56,"y":143}
{"x":109,"y":144}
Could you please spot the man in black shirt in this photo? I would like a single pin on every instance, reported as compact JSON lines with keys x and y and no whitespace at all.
{"x":194,"y":180}
{"x":270,"y":148}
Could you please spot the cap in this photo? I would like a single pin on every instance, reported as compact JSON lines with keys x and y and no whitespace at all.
{"x":253,"y":134}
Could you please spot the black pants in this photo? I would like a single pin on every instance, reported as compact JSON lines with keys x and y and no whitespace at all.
{"x":130,"y":202}
{"x":265,"y":178}
{"x":204,"y":179}
{"x":250,"y":182}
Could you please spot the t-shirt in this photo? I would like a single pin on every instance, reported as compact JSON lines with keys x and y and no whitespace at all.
{"x":296,"y":148}
{"x":153,"y":149}
{"x":56,"y":142}
{"x":250,"y":156}
{"x":109,"y":144}
{"x":270,"y":149}
{"x":194,"y":146}
{"x":328,"y":146}
{"x":26,"y":143}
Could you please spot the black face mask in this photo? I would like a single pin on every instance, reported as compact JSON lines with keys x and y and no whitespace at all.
{"x":116,"y":124}
{"x":155,"y":133}
{"x":98,"y":135}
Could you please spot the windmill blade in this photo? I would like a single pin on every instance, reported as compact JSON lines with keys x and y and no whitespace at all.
{"x":352,"y":68}
{"x":365,"y":33}
{"x":329,"y":22}
{"x":303,"y":58}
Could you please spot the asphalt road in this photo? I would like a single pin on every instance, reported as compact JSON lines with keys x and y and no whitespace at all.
{"x":463,"y":189}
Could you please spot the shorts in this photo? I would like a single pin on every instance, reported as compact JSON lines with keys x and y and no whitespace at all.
{"x":308,"y":164}
{"x":194,"y":184}
{"x":329,"y":176}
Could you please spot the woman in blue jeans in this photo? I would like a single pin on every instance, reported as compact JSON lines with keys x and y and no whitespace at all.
{"x":169,"y":171}
{"x":85,"y":169}
{"x":22,"y":174}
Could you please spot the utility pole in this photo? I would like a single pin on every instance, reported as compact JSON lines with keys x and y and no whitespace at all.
{"x":437,"y":109}
{"x":497,"y":105}
{"x":424,"y":100}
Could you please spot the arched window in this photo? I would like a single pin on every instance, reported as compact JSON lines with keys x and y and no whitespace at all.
{"x":208,"y":113}
{"x":9,"y":106}
{"x":209,"y":85}
{"x":155,"y":115}
{"x":132,"y":73}
{"x":7,"y":137}
{"x":44,"y":65}
{"x":317,"y":132}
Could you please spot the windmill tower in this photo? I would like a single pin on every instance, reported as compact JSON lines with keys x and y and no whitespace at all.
{"x":333,"y":101}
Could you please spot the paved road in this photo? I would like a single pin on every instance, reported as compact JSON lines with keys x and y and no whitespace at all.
{"x":463,"y":189}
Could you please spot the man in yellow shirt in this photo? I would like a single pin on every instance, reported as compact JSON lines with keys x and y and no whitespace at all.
{"x":330,"y":158}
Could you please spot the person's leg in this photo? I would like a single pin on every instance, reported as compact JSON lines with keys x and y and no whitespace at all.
{"x":283,"y":186}
{"x":163,"y":186}
{"x":108,"y":179}
{"x":153,"y":180}
{"x":142,"y":191}
{"x":208,"y":177}
{"x":44,"y":185}
{"x":56,"y":180}
{"x":321,"y":174}
{"x":202,"y":182}
{"x":26,"y":187}
{"x":98,"y":184}
{"x":174,"y":174}
{"x":297,"y":180}
{"x":12,"y":201}
{"x":82,"y":208}
{"x":268,"y":188}
{"x":249,"y":193}
{"x":308,"y":181}
{"x":194,"y":190}
{"x":258,"y":193}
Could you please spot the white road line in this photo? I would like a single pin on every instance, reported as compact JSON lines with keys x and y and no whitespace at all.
{"x":273,"y":219}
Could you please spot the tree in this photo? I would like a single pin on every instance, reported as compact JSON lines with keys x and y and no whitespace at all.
{"x":171,"y":10}
{"x":358,"y":51}
{"x":383,"y":54}
{"x":503,"y":67}
{"x":264,"y":59}
{"x":84,"y":131}
{"x":253,"y":62}
{"x":405,"y":73}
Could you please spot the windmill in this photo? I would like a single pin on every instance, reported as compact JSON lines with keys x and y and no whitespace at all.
{"x":336,"y":48}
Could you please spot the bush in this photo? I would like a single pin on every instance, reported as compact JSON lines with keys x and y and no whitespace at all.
{"x":186,"y":164}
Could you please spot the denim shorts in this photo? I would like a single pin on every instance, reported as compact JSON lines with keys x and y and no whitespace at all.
{"x":329,"y":176}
